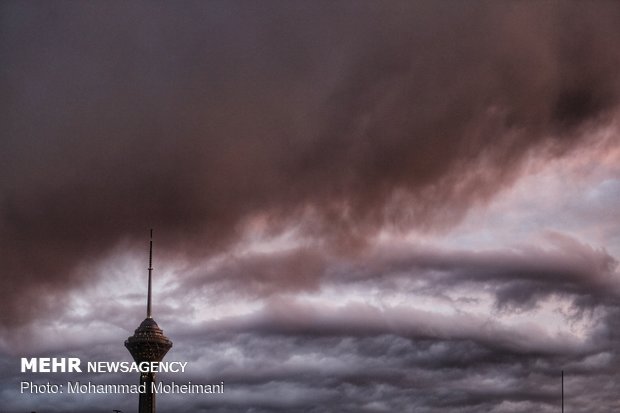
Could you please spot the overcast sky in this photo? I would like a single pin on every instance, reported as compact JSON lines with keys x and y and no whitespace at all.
{"x":357,"y":206}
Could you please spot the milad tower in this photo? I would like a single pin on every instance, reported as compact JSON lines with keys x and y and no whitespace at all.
{"x":148,"y":344}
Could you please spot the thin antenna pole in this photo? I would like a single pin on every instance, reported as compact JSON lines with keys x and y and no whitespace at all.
{"x":148,"y":300}
{"x":562,"y":391}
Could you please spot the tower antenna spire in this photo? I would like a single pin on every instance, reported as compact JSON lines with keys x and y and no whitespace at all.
{"x":148,"y":300}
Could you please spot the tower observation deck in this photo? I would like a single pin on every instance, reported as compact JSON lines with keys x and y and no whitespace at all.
{"x":148,"y":344}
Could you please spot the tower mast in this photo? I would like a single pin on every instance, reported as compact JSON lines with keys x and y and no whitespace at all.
{"x":148,"y":299}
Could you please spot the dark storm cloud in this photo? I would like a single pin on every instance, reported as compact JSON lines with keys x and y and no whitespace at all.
{"x":122,"y":116}
{"x":268,"y":370}
{"x":276,"y":370}
{"x":208,"y":121}
{"x":291,"y":354}
{"x":517,"y":278}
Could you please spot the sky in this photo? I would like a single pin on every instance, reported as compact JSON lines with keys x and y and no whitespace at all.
{"x":357,"y":206}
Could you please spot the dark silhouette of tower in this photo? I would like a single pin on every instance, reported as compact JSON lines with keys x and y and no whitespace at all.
{"x":148,"y":344}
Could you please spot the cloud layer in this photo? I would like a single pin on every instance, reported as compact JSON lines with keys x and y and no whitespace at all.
{"x":274,"y":148}
{"x":193,"y":120}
